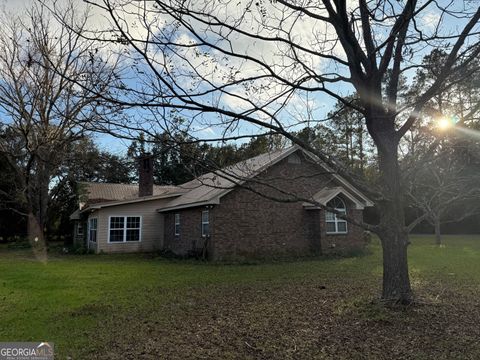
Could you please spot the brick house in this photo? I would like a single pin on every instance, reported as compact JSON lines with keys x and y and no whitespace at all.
{"x":260,"y":208}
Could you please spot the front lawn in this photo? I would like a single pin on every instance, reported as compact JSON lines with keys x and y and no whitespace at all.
{"x":139,"y":306}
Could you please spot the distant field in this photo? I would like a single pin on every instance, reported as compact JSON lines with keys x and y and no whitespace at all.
{"x":142,"y":307}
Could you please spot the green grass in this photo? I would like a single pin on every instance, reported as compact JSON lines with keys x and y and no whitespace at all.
{"x":139,"y":306}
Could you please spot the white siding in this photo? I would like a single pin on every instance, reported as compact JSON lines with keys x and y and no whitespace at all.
{"x":152,"y":230}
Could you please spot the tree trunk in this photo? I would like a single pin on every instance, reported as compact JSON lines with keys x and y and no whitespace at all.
{"x":362,"y":155}
{"x":43,"y":178}
{"x":35,"y":230}
{"x":36,"y":237}
{"x":38,"y":197}
{"x":396,"y":282}
{"x":392,"y":233}
{"x":438,"y":235}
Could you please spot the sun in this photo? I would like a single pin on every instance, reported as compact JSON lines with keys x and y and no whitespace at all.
{"x":444,"y":123}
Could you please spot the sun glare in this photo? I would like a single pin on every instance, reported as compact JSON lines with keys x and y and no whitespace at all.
{"x":444,"y":123}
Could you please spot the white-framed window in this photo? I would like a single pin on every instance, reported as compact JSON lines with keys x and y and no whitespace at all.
{"x":205,"y":223}
{"x":124,"y":229}
{"x":80,"y":228}
{"x":177,"y":224}
{"x":92,"y":229}
{"x":334,"y":224}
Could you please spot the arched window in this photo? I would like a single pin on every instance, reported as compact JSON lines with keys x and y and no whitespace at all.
{"x":336,"y":225}
{"x":294,"y":159}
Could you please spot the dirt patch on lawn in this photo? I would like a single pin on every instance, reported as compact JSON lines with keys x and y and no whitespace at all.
{"x":310,"y":320}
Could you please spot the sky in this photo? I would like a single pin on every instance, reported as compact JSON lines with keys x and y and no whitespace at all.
{"x":106,"y":142}
{"x":319,"y":104}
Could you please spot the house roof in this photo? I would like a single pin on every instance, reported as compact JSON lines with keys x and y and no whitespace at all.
{"x":130,"y":201}
{"x":100,"y":195}
{"x":75,"y":215}
{"x":209,"y":188}
{"x":326,"y":194}
{"x":101,"y":192}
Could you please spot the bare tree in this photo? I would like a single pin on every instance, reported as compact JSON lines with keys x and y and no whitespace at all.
{"x":446,"y":189}
{"x":236,"y":66}
{"x":439,"y":166}
{"x":42,"y":113}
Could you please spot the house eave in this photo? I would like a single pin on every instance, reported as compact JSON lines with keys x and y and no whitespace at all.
{"x":76,"y":215}
{"x":129,"y":201}
{"x":214,"y":201}
{"x":341,"y":179}
{"x":336,"y":191}
{"x":357,"y":194}
{"x":308,"y":206}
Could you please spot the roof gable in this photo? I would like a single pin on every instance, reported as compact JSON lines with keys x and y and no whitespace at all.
{"x":326,"y":194}
{"x":209,"y":188}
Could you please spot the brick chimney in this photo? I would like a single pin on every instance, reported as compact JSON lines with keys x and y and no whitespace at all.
{"x":145,"y":174}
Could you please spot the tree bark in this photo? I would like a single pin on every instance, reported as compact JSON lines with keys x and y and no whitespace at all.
{"x":392,"y":233}
{"x":438,"y":235}
{"x":396,"y":281}
{"x":36,"y":237}
{"x":361,"y":154}
{"x":43,"y":190}
{"x":38,"y":197}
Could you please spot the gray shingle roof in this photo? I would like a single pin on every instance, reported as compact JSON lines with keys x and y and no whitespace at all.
{"x":206,"y":189}
{"x":209,"y":187}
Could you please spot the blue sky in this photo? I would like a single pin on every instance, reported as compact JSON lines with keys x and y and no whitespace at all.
{"x":322,"y":103}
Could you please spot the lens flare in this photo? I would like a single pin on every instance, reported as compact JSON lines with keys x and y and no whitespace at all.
{"x":474,"y":134}
{"x":444,"y":123}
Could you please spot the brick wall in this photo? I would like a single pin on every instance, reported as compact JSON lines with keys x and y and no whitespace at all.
{"x":190,"y":238}
{"x":247,"y":225}
{"x":343,"y":243}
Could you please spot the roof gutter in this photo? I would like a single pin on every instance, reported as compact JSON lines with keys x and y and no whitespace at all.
{"x":214,"y":201}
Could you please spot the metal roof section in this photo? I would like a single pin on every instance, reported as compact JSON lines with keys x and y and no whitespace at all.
{"x":101,"y":205}
{"x":101,"y":192}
